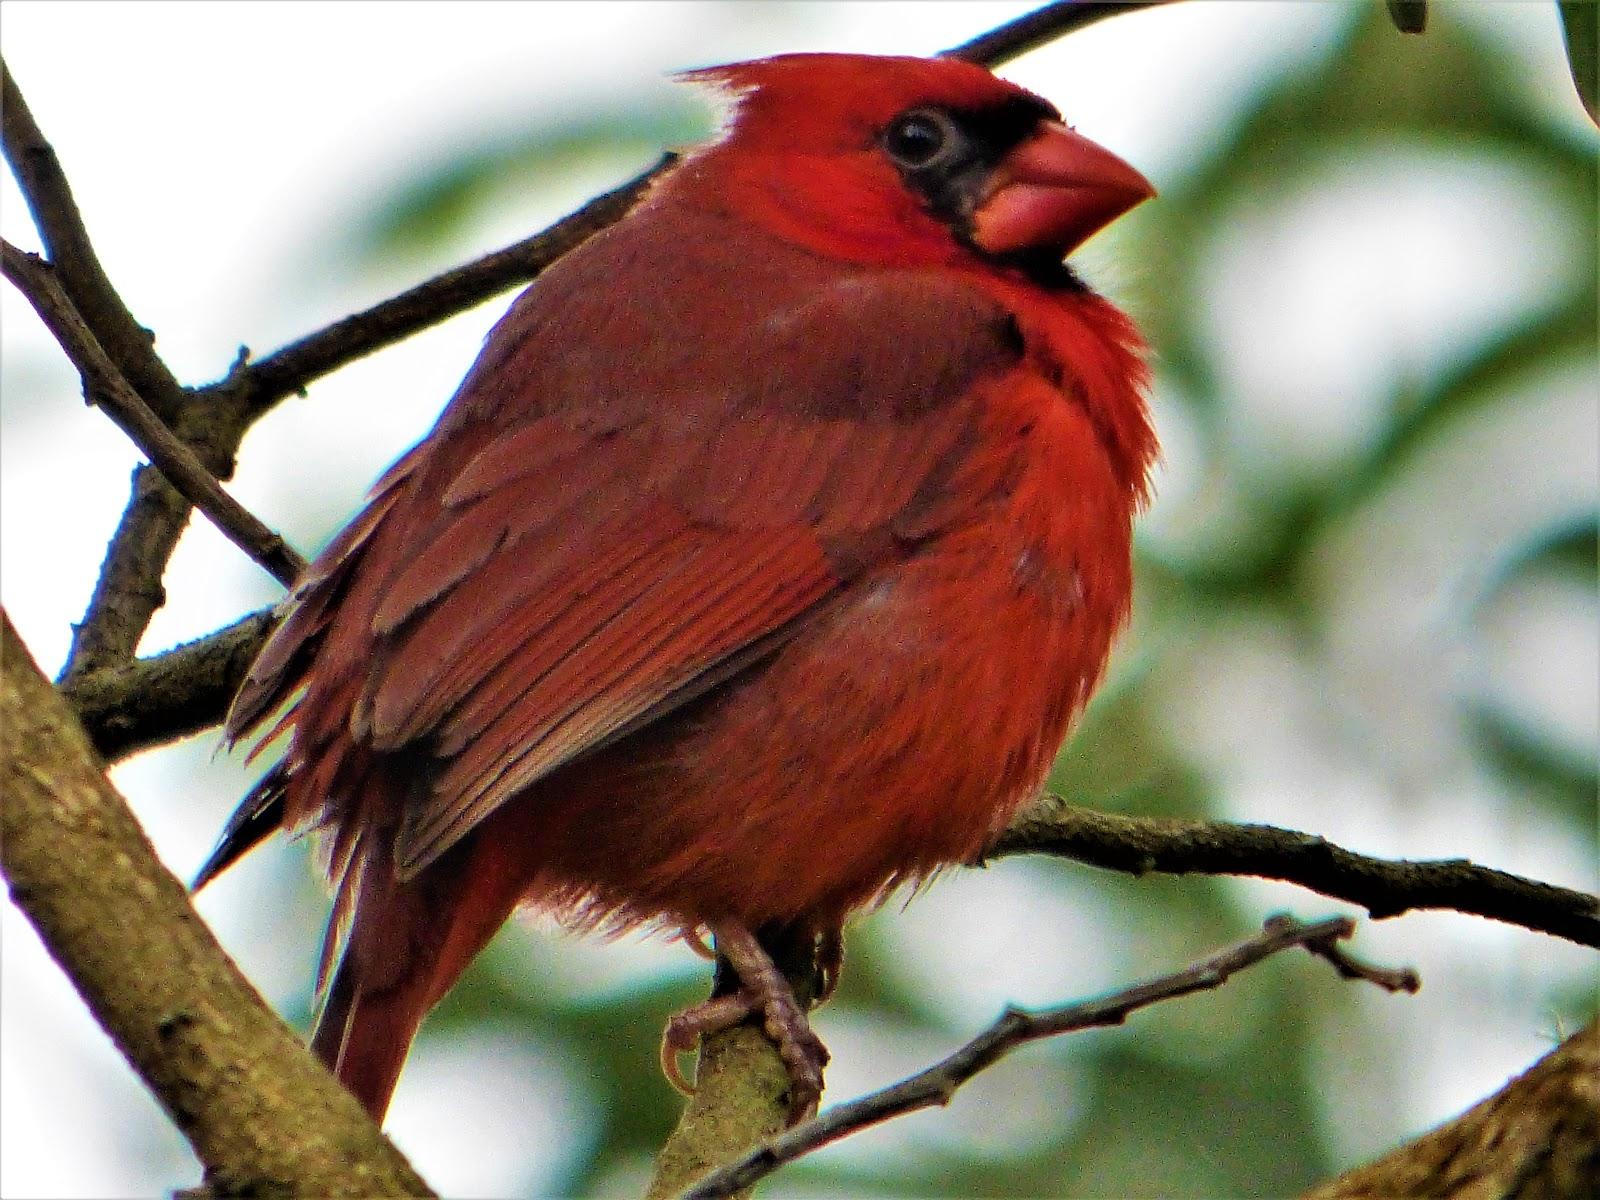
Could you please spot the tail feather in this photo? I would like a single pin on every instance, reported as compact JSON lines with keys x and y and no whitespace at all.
{"x":408,"y":944}
{"x":259,"y":815}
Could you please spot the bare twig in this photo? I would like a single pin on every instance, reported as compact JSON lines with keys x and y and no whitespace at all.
{"x":1384,"y":887}
{"x":1390,"y":979}
{"x":287,"y":371}
{"x":105,"y":386}
{"x":66,"y":241}
{"x":937,"y":1084}
{"x":1039,"y":28}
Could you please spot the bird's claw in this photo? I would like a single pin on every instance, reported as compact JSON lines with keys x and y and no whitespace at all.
{"x":765,"y":991}
{"x":684,"y":1031}
{"x":803,"y":1055}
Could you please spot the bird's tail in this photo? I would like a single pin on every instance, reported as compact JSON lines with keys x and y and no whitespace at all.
{"x":408,"y":943}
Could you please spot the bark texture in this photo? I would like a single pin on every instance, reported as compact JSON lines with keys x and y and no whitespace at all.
{"x":263,"y":1115}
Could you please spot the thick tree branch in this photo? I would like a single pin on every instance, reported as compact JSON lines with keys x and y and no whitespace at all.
{"x":1384,"y":887}
{"x":105,"y":387}
{"x":66,"y":242}
{"x":133,"y":706}
{"x":1539,"y":1136}
{"x":262,"y":1114}
{"x":937,"y":1084}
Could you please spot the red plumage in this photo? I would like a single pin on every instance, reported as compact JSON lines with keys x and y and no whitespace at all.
{"x":759,"y":565}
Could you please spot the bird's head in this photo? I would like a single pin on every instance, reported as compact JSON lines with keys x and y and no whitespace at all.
{"x":907,"y":160}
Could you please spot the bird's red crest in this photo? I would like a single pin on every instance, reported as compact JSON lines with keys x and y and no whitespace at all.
{"x":837,"y":101}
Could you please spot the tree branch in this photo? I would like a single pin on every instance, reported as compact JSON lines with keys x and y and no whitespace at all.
{"x":937,"y":1085}
{"x":1039,"y":28}
{"x":132,"y":706}
{"x":66,"y":241}
{"x":105,"y":387}
{"x":288,"y":371}
{"x":128,"y":591}
{"x":1385,"y":888}
{"x":1539,"y":1136}
{"x":263,"y":1115}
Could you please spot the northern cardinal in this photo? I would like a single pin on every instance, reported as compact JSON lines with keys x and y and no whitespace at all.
{"x":759,"y":565}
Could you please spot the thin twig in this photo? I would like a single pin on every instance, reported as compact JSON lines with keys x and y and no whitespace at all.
{"x":286,"y":372}
{"x":1040,"y":27}
{"x":66,"y":242}
{"x":1384,"y":887}
{"x":105,"y":386}
{"x":1327,"y":948}
{"x":937,"y":1085}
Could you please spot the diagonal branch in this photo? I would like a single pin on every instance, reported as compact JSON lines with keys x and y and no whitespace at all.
{"x":937,"y":1085}
{"x":262,"y":1113}
{"x":288,"y":371}
{"x":1539,"y":1136}
{"x":66,"y":242}
{"x":1384,"y":887}
{"x":1041,"y":27}
{"x":128,"y":591}
{"x":105,"y":387}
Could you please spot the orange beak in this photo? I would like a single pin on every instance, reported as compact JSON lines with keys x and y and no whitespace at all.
{"x":1054,"y":191}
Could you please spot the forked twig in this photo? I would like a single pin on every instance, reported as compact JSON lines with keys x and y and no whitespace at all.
{"x":938,"y":1084}
{"x":105,"y":387}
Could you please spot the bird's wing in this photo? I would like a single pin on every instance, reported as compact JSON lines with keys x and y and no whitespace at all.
{"x":524,"y":590}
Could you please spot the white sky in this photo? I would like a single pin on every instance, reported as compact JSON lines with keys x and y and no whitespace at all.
{"x":215,"y":151}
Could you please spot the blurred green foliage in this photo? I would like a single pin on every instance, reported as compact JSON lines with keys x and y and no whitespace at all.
{"x":1143,"y":1122}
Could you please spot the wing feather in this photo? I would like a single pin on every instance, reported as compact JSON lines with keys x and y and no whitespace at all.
{"x":618,"y":511}
{"x":644,"y":651}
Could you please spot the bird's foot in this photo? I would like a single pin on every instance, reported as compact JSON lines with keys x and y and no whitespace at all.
{"x":764,"y":991}
{"x":684,"y":1031}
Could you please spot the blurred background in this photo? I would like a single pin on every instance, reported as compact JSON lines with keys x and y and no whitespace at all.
{"x":1367,"y":595}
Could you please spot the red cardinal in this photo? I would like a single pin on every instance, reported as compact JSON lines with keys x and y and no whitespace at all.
{"x":759,"y":565}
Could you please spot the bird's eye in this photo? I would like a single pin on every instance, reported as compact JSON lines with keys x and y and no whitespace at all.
{"x":919,"y":138}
